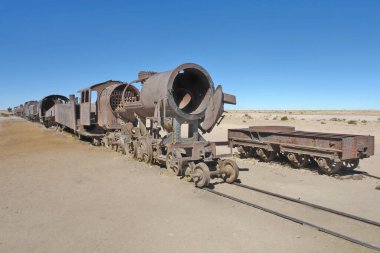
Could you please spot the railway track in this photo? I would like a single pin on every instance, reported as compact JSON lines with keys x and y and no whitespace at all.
{"x":299,"y":220}
{"x":347,"y":215}
{"x":365,"y":174}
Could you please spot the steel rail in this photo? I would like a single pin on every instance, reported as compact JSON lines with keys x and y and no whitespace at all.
{"x":299,"y":221}
{"x":330,"y":210}
{"x":365,"y":174}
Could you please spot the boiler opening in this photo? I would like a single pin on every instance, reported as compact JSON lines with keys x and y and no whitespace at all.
{"x":191,"y":89}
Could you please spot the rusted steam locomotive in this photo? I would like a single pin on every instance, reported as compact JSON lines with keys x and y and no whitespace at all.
{"x":162,"y":123}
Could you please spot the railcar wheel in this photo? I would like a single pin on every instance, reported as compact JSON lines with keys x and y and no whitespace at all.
{"x":241,"y":151}
{"x":231,"y":170}
{"x":298,"y":160}
{"x":246,"y":151}
{"x":201,"y":175}
{"x":252,"y":152}
{"x":350,"y":164}
{"x":145,"y":151}
{"x":265,"y":155}
{"x":174,"y":167}
{"x":328,"y":166}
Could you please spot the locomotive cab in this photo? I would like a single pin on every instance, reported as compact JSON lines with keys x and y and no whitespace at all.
{"x":88,"y":110}
{"x":97,"y":105}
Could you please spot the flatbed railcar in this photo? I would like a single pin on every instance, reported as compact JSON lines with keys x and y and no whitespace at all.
{"x":331,"y":151}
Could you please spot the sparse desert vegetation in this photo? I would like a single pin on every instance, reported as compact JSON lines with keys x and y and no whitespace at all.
{"x":352,"y":122}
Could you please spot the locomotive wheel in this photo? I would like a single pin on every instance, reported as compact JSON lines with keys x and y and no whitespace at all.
{"x":201,"y":175}
{"x":231,"y":170}
{"x":174,"y":167}
{"x":328,"y":166}
{"x":298,"y":160}
{"x":135,"y":149}
{"x":128,"y":149}
{"x":265,"y":155}
{"x":95,"y":142}
{"x":145,"y":151}
{"x":105,"y":141}
{"x":78,"y":136}
{"x":350,"y":164}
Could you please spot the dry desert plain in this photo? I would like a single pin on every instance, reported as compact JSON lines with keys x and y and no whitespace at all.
{"x":58,"y":194}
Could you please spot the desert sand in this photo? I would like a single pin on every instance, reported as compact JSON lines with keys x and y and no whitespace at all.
{"x":59,"y":194}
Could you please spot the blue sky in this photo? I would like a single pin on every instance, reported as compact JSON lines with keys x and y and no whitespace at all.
{"x":271,"y":54}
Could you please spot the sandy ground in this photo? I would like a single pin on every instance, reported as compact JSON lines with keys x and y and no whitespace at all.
{"x":58,"y":194}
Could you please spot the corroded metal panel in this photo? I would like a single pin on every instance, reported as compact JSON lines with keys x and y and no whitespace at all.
{"x":46,"y":106}
{"x":110,"y":99}
{"x":85,"y":114}
{"x":271,"y":129}
{"x":65,"y":115}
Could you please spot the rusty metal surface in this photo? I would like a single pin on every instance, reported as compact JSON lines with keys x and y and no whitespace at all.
{"x":184,"y":93}
{"x":214,"y":111}
{"x":109,"y":100}
{"x":85,"y":114}
{"x":18,"y":111}
{"x":99,"y":111}
{"x":46,"y":109}
{"x":271,"y":129}
{"x":31,"y":110}
{"x":66,"y":114}
{"x":329,"y":145}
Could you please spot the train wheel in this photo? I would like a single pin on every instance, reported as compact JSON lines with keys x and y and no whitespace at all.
{"x":145,"y":152}
{"x":246,"y":151}
{"x":201,"y":175}
{"x":328,"y":166}
{"x":174,"y":167}
{"x":231,"y":170}
{"x":95,"y":142}
{"x":242,"y":152}
{"x":350,"y":164}
{"x":298,"y":160}
{"x":78,"y":136}
{"x":252,"y":152}
{"x":265,"y":155}
{"x":105,"y":141}
{"x":135,"y":150}
{"x":128,"y":149}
